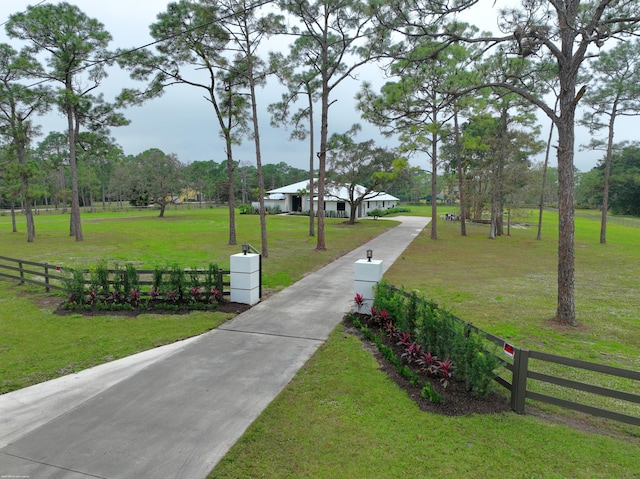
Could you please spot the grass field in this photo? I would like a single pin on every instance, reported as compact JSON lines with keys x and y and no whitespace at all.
{"x":341,"y":416}
{"x":36,"y":346}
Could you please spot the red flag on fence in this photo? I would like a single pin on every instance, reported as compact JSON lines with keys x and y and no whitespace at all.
{"x":509,"y":350}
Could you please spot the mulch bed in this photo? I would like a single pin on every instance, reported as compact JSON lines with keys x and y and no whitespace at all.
{"x":457,"y":400}
{"x":223,"y":307}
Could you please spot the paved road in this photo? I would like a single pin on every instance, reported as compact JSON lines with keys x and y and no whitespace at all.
{"x":174,"y":411}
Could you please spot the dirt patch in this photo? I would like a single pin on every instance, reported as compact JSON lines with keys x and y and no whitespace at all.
{"x":457,"y":401}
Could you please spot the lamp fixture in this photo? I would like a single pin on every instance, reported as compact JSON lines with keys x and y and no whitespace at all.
{"x":369,"y":255}
{"x":245,"y":248}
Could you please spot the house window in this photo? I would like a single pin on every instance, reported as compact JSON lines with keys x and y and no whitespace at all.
{"x":383,"y":204}
{"x":341,"y":206}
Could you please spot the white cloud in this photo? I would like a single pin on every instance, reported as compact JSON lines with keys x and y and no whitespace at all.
{"x":182,"y":122}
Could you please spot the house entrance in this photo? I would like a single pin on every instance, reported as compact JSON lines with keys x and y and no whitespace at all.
{"x":296,"y":203}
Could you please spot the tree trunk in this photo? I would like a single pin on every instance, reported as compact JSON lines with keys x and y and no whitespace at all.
{"x":566,"y":255}
{"x":311,"y":172}
{"x":75,"y":227}
{"x":434,"y":186}
{"x":28,"y":212}
{"x":230,"y":168}
{"x":13,"y":218}
{"x":322,"y":155}
{"x":607,"y":174}
{"x":463,"y":218}
{"x":544,"y":181}
{"x":567,"y":76}
{"x":256,"y":137}
{"x":354,"y":204}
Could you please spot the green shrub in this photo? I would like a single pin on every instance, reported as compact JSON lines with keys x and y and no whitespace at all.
{"x":393,"y":302}
{"x":443,"y":335}
{"x":389,"y":211}
{"x":177,"y":282}
{"x":100,"y":278}
{"x":75,"y":287}
{"x":131,"y":279}
{"x":429,"y":393}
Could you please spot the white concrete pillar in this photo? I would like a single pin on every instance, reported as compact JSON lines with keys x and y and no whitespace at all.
{"x":245,"y":278}
{"x":367,"y":274}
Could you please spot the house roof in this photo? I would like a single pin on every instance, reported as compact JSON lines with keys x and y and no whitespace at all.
{"x":291,"y":189}
{"x":337,"y":193}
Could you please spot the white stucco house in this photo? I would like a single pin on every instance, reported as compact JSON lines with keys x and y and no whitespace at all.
{"x":296,"y":198}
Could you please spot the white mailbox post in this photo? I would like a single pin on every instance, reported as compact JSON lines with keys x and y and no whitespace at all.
{"x":367,"y":274}
{"x":245,"y":278}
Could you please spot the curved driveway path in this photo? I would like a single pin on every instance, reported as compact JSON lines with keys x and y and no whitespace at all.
{"x":174,"y":411}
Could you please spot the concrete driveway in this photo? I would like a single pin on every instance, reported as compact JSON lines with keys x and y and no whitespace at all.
{"x":174,"y":411}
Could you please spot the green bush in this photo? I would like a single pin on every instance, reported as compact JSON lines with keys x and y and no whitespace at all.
{"x":109,"y":289}
{"x":443,"y":335}
{"x":393,"y":302}
{"x":158,"y":281}
{"x":75,"y":287}
{"x":389,"y":211}
{"x":100,"y":278}
{"x":429,"y":393}
{"x":177,"y":282}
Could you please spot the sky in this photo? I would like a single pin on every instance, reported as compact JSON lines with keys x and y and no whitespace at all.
{"x":182,"y":122}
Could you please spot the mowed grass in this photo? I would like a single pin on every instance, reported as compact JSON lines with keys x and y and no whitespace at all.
{"x":190,"y":237}
{"x":342,"y":417}
{"x":36,"y":345}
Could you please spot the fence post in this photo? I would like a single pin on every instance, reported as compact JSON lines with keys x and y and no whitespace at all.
{"x":21,"y":272}
{"x":46,"y":277}
{"x":519,"y":380}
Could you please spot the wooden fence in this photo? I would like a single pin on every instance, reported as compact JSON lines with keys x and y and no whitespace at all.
{"x":52,"y":277}
{"x":522,"y":375}
{"x":44,"y":274}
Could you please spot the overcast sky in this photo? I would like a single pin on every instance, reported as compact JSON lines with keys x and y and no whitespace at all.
{"x":182,"y":122}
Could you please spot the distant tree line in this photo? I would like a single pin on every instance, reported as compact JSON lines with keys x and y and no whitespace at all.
{"x":107,"y":178}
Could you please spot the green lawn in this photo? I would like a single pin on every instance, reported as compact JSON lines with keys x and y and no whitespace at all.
{"x":36,"y":345}
{"x":342,"y":417}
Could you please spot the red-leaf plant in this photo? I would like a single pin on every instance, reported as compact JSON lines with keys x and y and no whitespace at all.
{"x":359,"y":301}
{"x":380,"y":317}
{"x":412,"y":352}
{"x":172,"y":296}
{"x":195,"y":293}
{"x":92,"y":297}
{"x":428,"y":362}
{"x":389,"y":329}
{"x":445,"y":369}
{"x":404,"y":339}
{"x":134,"y":297}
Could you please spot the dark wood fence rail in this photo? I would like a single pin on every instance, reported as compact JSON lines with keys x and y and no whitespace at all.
{"x":41,"y":276}
{"x":521,"y":371}
{"x":53,"y":277}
